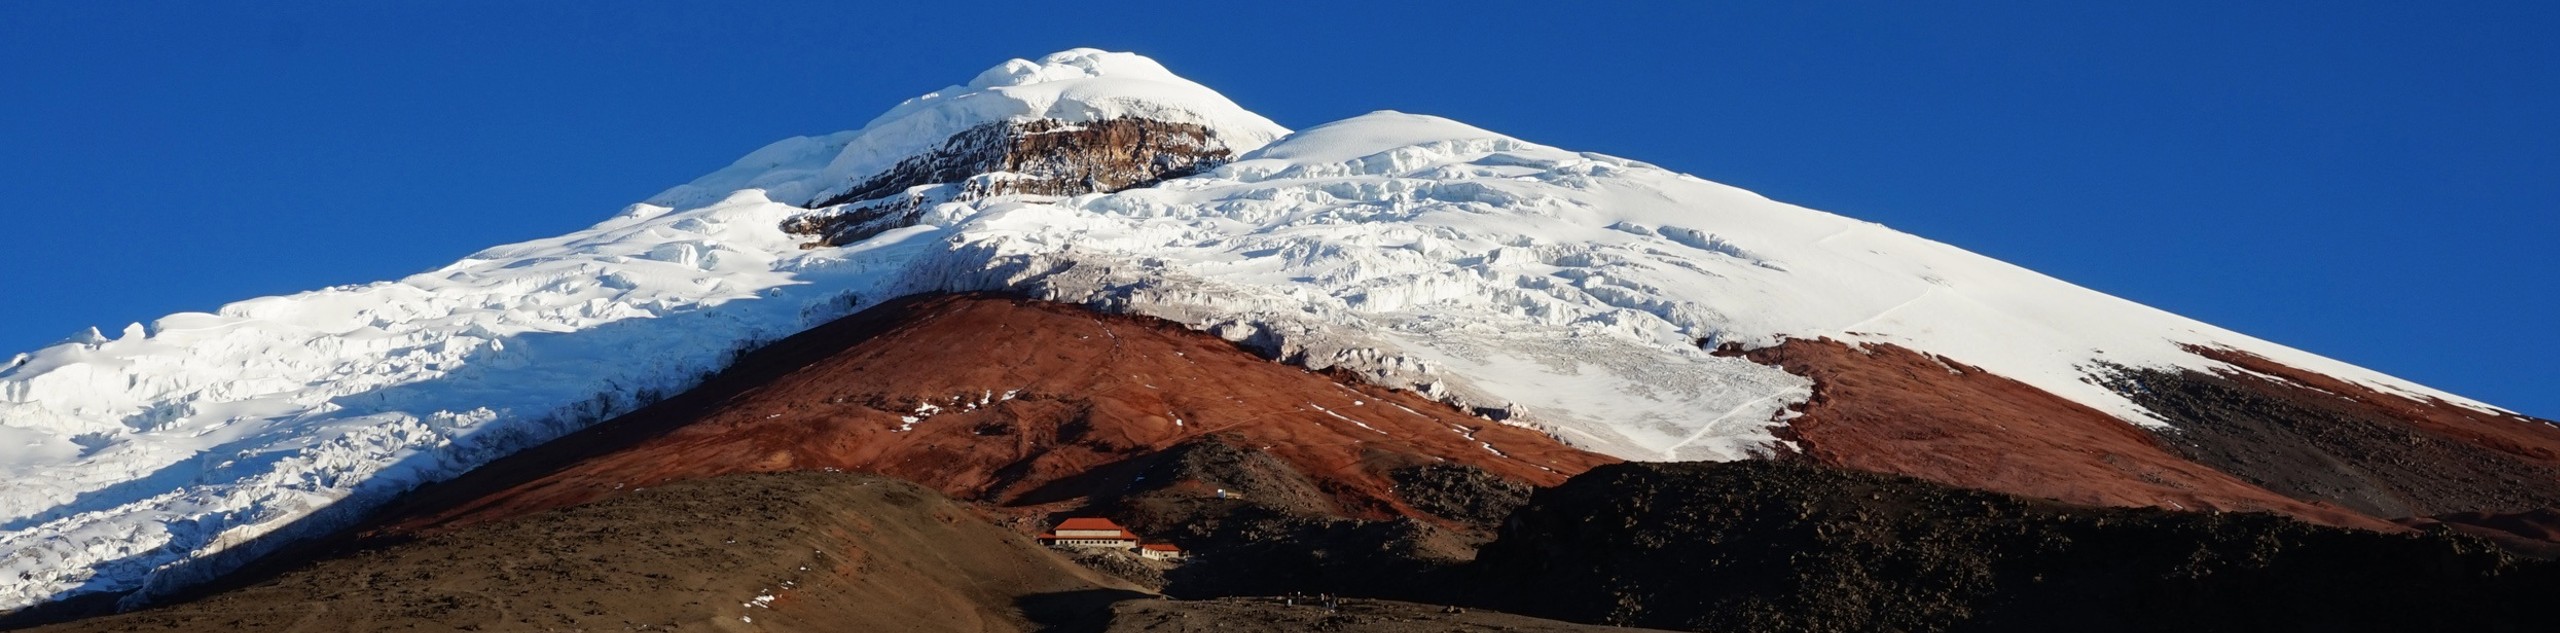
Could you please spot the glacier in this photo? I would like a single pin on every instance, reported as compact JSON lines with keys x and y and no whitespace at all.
{"x":1574,"y":292}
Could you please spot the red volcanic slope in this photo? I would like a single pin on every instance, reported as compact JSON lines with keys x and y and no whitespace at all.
{"x":2263,"y":436}
{"x":1013,"y":401}
{"x":997,"y":399}
{"x":1886,"y":408}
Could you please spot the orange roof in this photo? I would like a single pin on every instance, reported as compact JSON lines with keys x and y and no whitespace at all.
{"x":1089,"y":523}
{"x":1162,"y":547}
{"x":1124,"y":535}
{"x":1092,"y":523}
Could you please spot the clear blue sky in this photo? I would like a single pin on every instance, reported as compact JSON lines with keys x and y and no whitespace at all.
{"x":2373,"y":181}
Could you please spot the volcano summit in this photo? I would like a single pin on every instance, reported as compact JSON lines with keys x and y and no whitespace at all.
{"x":1505,"y":294}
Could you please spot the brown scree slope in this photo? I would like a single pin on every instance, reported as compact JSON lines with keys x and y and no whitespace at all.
{"x":1013,"y":401}
{"x":1030,"y":401}
{"x":2311,"y":436}
{"x":2261,"y":437}
{"x":1888,"y":409}
{"x":760,"y":552}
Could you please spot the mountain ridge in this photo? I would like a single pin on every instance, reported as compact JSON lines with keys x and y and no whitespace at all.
{"x":1582,"y":294}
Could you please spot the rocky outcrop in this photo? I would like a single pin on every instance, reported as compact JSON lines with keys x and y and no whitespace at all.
{"x":1465,"y":494}
{"x":2318,"y":438}
{"x":1257,"y":525}
{"x":1219,"y":466}
{"x":1789,"y":546}
{"x":2533,"y":532}
{"x":1888,"y":409}
{"x":1037,"y":157}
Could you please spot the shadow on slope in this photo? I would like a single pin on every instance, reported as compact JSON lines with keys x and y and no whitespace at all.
{"x":1780,"y":546}
{"x":795,"y":551}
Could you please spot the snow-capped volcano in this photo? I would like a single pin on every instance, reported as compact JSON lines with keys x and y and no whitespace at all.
{"x":1580,"y":293}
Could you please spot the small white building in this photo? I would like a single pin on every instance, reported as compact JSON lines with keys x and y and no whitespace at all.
{"x":1159,"y":551}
